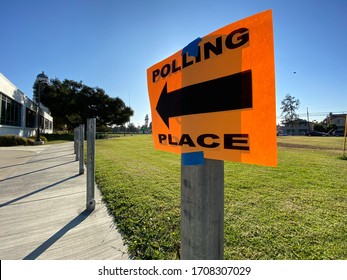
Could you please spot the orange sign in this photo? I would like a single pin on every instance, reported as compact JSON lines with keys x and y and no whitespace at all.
{"x":217,"y":95}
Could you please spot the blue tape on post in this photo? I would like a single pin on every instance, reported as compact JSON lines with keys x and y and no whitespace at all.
{"x":192,"y":48}
{"x":195,"y":158}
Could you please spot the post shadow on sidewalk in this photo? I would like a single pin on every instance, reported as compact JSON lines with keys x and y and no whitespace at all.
{"x":36,"y":171}
{"x":37,"y":191}
{"x":55,"y":237}
{"x":34,"y":161}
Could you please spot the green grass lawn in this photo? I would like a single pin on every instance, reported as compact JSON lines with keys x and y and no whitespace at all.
{"x":295,"y":211}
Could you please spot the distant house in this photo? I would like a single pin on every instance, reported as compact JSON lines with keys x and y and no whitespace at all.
{"x":297,"y":127}
{"x":300,"y":126}
{"x":18,"y":114}
{"x":337,"y":119}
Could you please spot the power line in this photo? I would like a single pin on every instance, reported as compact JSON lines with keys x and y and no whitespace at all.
{"x":316,"y":114}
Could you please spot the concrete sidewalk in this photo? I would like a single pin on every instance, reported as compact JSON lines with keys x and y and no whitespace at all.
{"x":42,"y":208}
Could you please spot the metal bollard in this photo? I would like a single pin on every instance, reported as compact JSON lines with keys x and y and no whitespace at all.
{"x":77,"y":143}
{"x":81,"y":148}
{"x":91,"y":128}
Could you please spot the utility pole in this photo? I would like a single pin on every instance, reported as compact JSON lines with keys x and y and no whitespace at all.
{"x":308,"y":121}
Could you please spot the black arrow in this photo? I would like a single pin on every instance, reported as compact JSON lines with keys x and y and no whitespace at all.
{"x":223,"y":94}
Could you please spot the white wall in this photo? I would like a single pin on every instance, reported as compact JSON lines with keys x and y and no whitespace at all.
{"x":10,"y":90}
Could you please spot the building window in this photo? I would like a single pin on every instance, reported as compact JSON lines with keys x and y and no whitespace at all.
{"x":10,"y":111}
{"x":46,"y":124}
{"x":30,"y":119}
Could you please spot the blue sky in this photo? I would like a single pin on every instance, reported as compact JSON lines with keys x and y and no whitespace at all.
{"x":111,"y":43}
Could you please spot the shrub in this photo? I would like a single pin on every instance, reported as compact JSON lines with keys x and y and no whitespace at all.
{"x":12,"y":140}
{"x":59,"y":136}
{"x":43,"y":138}
{"x":31,"y":142}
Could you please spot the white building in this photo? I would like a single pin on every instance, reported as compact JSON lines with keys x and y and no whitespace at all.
{"x":18,"y":112}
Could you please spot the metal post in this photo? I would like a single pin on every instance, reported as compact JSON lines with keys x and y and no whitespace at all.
{"x":77,"y":143}
{"x":202,"y":211}
{"x":91,"y":128}
{"x":75,"y":140}
{"x":81,"y":148}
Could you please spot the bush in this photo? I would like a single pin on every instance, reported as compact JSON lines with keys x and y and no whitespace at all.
{"x":12,"y":140}
{"x":31,"y":142}
{"x":33,"y":138}
{"x":59,"y":136}
{"x":101,"y":136}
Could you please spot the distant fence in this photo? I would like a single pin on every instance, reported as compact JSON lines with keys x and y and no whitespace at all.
{"x":111,"y":135}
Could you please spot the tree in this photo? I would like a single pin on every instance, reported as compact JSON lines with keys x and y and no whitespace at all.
{"x":71,"y":103}
{"x":132,"y":128}
{"x":328,"y":119}
{"x":319,"y":127}
{"x":289,"y":107}
{"x":331,"y":127}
